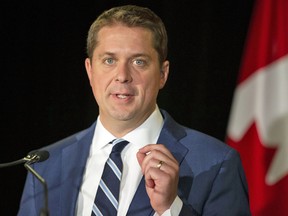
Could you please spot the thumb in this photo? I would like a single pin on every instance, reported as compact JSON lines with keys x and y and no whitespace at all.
{"x":140,"y":157}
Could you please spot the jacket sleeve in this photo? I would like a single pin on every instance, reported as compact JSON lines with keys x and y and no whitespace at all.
{"x":229,"y":192}
{"x":225,"y":194}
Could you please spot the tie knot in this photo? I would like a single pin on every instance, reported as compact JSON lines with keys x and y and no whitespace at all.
{"x":118,"y":145}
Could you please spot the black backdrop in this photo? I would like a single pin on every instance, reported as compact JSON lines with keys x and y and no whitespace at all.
{"x":45,"y":94}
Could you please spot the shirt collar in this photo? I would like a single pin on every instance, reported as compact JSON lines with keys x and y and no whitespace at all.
{"x":147,"y":133}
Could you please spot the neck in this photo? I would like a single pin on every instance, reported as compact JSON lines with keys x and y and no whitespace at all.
{"x":119,"y":128}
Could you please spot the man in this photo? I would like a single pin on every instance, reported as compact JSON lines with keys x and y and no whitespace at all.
{"x":168,"y":169}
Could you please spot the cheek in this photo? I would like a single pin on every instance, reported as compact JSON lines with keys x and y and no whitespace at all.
{"x":151,"y":86}
{"x":96,"y":84}
{"x":154,"y":82}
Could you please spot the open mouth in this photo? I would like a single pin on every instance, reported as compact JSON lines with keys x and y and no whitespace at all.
{"x":122,"y":96}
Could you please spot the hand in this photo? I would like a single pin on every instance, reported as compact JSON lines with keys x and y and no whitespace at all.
{"x":161,"y":171}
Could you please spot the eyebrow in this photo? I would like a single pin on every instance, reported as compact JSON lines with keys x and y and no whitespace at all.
{"x":106,"y":53}
{"x":133,"y":55}
{"x":141,"y":55}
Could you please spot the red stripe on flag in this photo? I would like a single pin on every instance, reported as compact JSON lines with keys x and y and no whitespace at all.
{"x":267,"y":36}
{"x":265,"y":200}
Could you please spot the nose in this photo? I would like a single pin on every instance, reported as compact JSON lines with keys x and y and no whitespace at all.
{"x":123,"y":74}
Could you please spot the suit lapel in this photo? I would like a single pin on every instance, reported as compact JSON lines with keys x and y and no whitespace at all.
{"x":74,"y":159}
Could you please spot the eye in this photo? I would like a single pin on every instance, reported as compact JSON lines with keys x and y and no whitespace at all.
{"x":139,"y":62}
{"x":109,"y":61}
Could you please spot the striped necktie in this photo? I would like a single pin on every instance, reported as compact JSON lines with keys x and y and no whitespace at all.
{"x":106,"y":200}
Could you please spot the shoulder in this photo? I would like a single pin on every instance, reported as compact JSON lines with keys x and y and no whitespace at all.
{"x":200,"y":147}
{"x":71,"y":145}
{"x":71,"y":139}
{"x":189,"y":137}
{"x":203,"y":143}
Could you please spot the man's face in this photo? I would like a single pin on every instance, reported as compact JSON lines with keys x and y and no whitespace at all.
{"x":125,"y":74}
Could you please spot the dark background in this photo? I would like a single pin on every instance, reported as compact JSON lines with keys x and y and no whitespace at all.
{"x":45,"y":94}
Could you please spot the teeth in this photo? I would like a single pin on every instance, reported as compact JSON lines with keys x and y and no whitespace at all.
{"x":122,"y":96}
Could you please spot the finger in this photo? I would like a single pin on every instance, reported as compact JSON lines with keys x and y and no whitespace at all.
{"x":140,"y":157}
{"x":159,"y":152}
{"x":157,"y":179}
{"x":153,"y":159}
{"x":159,"y":165}
{"x":150,"y":183}
{"x":156,"y":147}
{"x":151,"y":163}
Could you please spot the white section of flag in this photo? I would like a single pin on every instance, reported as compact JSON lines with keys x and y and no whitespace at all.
{"x":263,"y":98}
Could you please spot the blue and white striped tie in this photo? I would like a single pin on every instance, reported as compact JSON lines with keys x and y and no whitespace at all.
{"x":106,"y":200}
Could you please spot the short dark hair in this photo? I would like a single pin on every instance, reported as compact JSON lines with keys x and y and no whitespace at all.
{"x":131,"y":16}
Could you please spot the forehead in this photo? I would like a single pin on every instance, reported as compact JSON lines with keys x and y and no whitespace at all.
{"x":123,"y":36}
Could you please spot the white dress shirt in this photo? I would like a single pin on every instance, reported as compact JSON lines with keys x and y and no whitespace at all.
{"x":147,"y":133}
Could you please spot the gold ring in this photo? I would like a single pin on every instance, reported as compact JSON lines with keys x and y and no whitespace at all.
{"x":159,"y":164}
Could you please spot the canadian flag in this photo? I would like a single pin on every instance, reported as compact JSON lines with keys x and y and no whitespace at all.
{"x":258,"y":123}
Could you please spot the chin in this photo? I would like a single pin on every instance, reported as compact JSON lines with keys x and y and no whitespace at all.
{"x":123,"y":116}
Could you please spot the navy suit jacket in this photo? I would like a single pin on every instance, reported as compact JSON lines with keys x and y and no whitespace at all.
{"x":211,"y":178}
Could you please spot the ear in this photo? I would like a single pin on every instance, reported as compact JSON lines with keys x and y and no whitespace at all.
{"x":164,"y":73}
{"x":88,"y":67}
